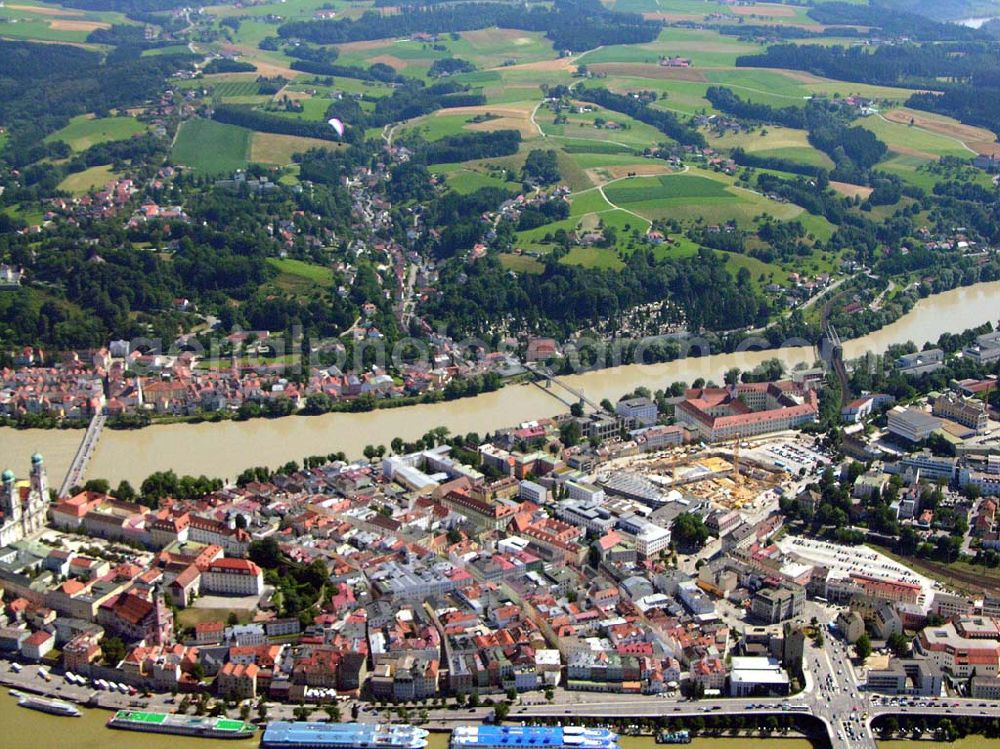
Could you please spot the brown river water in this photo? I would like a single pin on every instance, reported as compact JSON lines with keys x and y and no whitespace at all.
{"x":26,"y":729}
{"x":224,"y":449}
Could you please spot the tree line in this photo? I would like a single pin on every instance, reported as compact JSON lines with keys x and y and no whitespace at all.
{"x":854,"y":150}
{"x":265,"y":122}
{"x":963,"y":72}
{"x":570,"y":24}
{"x":664,"y":121}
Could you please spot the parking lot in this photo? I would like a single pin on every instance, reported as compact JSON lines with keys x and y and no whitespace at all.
{"x":794,"y":455}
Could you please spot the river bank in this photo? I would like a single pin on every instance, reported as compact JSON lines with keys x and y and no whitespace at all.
{"x":224,"y":449}
{"x":28,"y":728}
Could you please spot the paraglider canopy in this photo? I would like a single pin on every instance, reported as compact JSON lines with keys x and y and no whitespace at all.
{"x":336,"y":125}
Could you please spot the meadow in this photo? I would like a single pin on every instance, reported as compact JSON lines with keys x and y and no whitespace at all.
{"x":914,"y":141}
{"x":295,"y":273}
{"x":84,"y":131}
{"x":83,"y":182}
{"x":277,"y":150}
{"x":772,"y":141}
{"x":211,"y":147}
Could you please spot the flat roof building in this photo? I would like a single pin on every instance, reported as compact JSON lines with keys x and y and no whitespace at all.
{"x":912,"y":424}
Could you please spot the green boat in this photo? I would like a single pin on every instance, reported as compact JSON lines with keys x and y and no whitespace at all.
{"x":181,"y":725}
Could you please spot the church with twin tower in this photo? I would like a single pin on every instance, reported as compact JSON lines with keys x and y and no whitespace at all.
{"x":24,"y":504}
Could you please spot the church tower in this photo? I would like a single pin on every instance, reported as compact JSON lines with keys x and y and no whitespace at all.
{"x":164,"y":632}
{"x":38,"y":497}
{"x":11,"y":499}
{"x":39,"y":481}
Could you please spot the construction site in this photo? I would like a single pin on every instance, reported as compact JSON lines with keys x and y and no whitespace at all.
{"x":725,"y":475}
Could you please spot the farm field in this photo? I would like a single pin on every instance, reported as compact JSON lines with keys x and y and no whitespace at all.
{"x":272,"y":148}
{"x":698,"y":194}
{"x":211,"y":147}
{"x":705,"y":49}
{"x":53,"y":23}
{"x":773,"y":141}
{"x":465,"y":181}
{"x":85,"y":131}
{"x":977,"y":139}
{"x":914,"y":141}
{"x":227,"y":85}
{"x":620,"y":130}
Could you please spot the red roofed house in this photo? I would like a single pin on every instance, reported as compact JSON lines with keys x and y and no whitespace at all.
{"x":37,"y":645}
{"x":137,"y":618}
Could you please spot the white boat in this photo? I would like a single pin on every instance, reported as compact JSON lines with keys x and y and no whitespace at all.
{"x":53,"y":707}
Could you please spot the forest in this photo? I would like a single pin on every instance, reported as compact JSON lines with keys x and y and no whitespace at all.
{"x":74,"y":81}
{"x":566,"y":298}
{"x":575,"y":25}
{"x":377,"y":72}
{"x":961,"y":78}
{"x":465,"y":146}
{"x":893,"y":20}
{"x":254,"y":119}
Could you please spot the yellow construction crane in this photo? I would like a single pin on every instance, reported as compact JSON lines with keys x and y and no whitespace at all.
{"x":737,"y":479}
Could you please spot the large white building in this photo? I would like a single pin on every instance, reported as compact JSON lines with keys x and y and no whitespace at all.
{"x":642,"y":411}
{"x":964,"y":647}
{"x":649,"y":539}
{"x":24,"y":503}
{"x":753,"y":675}
{"x":912,"y":424}
{"x":233,"y":577}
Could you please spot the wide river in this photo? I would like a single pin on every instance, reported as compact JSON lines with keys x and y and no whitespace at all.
{"x":27,"y":729}
{"x":224,"y":449}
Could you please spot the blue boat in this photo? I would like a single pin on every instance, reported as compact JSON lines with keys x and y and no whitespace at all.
{"x":528,"y":737}
{"x":308,"y":735}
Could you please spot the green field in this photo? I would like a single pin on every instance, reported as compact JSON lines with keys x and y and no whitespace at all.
{"x":465,"y":181}
{"x":485,"y":48}
{"x":521,"y":263}
{"x":38,"y":30}
{"x":776,"y":142}
{"x":229,"y":88}
{"x":668,"y":187}
{"x":190,"y":616}
{"x":626,"y":132}
{"x":913,"y":140}
{"x":212,"y":147}
{"x":85,"y":181}
{"x":299,"y":277}
{"x":703,"y":47}
{"x":697,"y":195}
{"x":85,"y":131}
